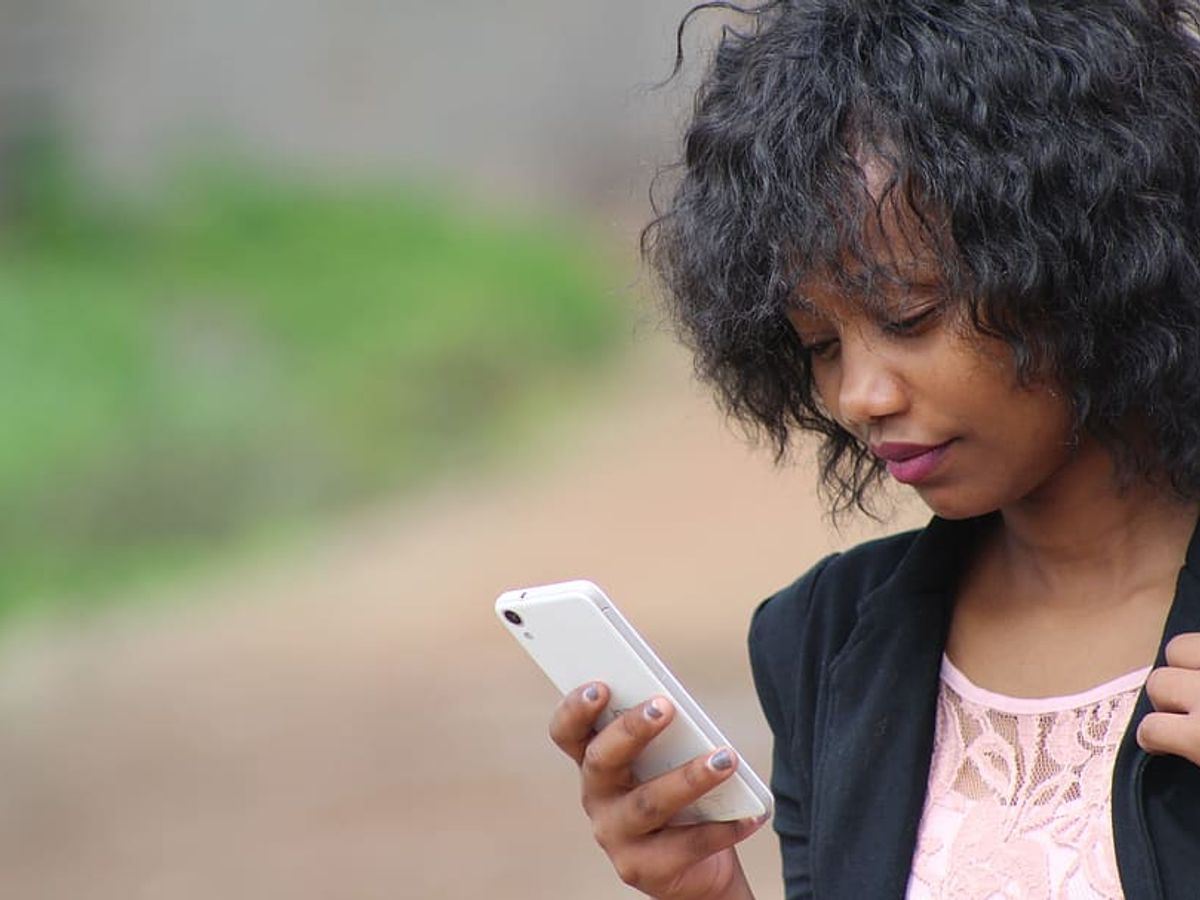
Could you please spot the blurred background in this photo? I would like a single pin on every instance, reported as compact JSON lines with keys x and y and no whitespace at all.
{"x":321,"y":324}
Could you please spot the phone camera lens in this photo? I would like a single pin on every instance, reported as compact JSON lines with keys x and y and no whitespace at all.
{"x":513,"y":617}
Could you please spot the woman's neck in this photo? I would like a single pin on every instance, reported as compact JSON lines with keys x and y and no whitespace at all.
{"x":1071,"y":588}
{"x":1085,"y":538}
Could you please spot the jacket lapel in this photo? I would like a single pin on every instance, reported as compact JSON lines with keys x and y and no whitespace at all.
{"x":1156,"y":800}
{"x":876,"y":739}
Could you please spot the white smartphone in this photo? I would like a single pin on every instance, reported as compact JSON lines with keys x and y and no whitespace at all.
{"x":576,"y":634}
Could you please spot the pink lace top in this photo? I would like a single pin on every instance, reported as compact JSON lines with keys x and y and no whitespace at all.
{"x":1019,"y":801}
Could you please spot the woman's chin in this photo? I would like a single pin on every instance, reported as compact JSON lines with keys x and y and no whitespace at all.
{"x":953,"y":505}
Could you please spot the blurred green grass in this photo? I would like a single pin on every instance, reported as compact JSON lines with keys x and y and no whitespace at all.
{"x":185,"y":377}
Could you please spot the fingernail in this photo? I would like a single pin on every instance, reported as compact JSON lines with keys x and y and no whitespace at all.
{"x":591,"y":693}
{"x":653,"y":711}
{"x":721,"y":760}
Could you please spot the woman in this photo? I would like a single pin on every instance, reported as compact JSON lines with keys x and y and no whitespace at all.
{"x":960,"y":241}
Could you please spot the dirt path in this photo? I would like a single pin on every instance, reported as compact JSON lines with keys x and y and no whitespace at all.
{"x":354,"y":724}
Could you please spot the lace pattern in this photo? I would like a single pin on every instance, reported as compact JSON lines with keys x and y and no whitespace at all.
{"x":1019,"y":800}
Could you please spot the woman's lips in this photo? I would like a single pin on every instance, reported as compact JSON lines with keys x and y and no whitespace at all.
{"x":911,"y":463}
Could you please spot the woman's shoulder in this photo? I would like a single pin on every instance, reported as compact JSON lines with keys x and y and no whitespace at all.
{"x":797,"y":630}
{"x":810,"y":620}
{"x":837,"y":581}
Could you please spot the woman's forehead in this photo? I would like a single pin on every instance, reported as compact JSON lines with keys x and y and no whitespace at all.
{"x":894,"y":250}
{"x":873,"y":286}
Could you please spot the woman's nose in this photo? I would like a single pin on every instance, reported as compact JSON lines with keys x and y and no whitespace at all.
{"x":870,"y":389}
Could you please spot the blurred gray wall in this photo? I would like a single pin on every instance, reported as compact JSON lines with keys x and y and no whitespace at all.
{"x":27,"y":50}
{"x":542,"y":97}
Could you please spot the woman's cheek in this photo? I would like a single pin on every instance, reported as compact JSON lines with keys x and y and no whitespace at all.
{"x":825,"y":387}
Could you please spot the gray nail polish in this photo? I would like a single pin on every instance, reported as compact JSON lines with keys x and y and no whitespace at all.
{"x":721,"y":760}
{"x":591,"y":693}
{"x":652,"y":710}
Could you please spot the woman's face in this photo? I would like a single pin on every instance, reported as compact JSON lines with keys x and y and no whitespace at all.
{"x":938,"y":402}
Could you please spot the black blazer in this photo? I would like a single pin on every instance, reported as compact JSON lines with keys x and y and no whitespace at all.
{"x":846,"y":662}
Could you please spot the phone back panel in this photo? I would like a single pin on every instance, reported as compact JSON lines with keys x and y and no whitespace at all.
{"x":576,"y":635}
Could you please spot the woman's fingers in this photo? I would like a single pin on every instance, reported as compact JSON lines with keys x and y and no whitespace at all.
{"x":609,"y":756}
{"x":1171,"y":733}
{"x":653,"y":805}
{"x":657,"y":864}
{"x":631,"y":821}
{"x":1183,"y":650}
{"x":1174,"y":689}
{"x":698,"y":842}
{"x":574,"y":720}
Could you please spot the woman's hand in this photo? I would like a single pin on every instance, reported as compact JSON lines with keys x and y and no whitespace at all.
{"x":1174,"y":689}
{"x":688,"y":862}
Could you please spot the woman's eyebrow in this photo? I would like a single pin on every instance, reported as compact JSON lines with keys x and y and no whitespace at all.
{"x":924,"y":289}
{"x":801,"y":300}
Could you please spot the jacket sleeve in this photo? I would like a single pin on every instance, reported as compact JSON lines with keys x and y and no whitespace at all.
{"x":785,"y":676}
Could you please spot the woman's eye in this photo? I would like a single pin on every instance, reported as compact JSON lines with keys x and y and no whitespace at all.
{"x":821,"y":349}
{"x":913,"y":323}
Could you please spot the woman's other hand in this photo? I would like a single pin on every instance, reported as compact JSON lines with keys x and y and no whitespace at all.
{"x":629,"y":820}
{"x":1174,"y":689}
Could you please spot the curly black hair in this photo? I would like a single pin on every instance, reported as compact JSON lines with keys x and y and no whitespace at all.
{"x":1051,"y":151}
